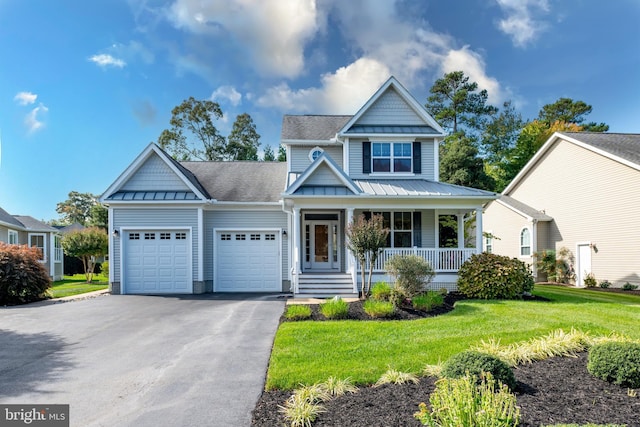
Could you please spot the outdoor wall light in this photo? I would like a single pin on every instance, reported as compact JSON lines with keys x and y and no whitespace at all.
{"x":116,"y":233}
{"x":284,"y":232}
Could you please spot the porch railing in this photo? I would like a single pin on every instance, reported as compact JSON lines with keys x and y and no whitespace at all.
{"x":441,"y":259}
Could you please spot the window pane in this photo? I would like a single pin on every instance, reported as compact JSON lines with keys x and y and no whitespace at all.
{"x":402,"y":221}
{"x":406,"y":150}
{"x":377,"y":151}
{"x":397,"y":150}
{"x":381,"y":165}
{"x":402,"y":165}
{"x":402,"y":239}
{"x":386,"y":149}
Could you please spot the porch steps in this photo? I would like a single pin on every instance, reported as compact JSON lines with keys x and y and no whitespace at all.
{"x":325,"y":286}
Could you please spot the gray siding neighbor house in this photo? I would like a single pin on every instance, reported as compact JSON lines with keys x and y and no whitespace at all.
{"x":194,"y":227}
{"x":581,"y":191}
{"x":26,"y":230}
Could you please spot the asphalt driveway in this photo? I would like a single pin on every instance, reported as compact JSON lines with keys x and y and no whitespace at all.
{"x":121,"y":360}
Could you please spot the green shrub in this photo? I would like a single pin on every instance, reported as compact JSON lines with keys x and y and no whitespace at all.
{"x":23,"y":278}
{"x":555,"y":265}
{"x":629,"y":287}
{"x":605,"y":284}
{"x":616,"y":362}
{"x":411,"y":272}
{"x":590,"y":281}
{"x":298,"y":312}
{"x":335,"y":308}
{"x":475,"y":363}
{"x":468,"y":401}
{"x":379,"y":308}
{"x":104,"y":268}
{"x":491,"y":276}
{"x":381,"y":291}
{"x":427,"y":301}
{"x":397,"y":297}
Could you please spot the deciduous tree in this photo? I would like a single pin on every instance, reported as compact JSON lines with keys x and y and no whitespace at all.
{"x":268,"y":156}
{"x":192,"y":135}
{"x":365,"y":239}
{"x":87,"y":244}
{"x":77,"y":208}
{"x":243,"y":141}
{"x":461,"y":165}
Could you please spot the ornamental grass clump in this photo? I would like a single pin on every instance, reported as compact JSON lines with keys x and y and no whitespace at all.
{"x":337,"y":387}
{"x":297,"y":312}
{"x":427,"y":301}
{"x":491,"y":276}
{"x":335,"y":308}
{"x":378,"y":309}
{"x":393,"y":376}
{"x":471,"y":402}
{"x":381,"y":291}
{"x":475,"y":364}
{"x":300,"y":412}
{"x":616,"y":362}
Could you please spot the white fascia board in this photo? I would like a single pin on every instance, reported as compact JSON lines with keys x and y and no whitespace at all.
{"x":395,"y":136}
{"x":511,"y":208}
{"x":311,"y":142}
{"x":323,"y":159}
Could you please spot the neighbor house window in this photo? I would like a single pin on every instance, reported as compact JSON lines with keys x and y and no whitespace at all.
{"x":525,"y":242}
{"x":391,"y":156}
{"x":13,"y":237}
{"x":400,"y":227}
{"x":488,"y":243}
{"x":38,"y":241}
{"x":57,"y":249}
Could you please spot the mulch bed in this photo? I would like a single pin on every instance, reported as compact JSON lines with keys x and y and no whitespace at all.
{"x":553,"y":391}
{"x":557,"y":390}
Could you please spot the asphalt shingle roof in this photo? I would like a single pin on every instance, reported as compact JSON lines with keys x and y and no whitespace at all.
{"x":525,"y":209}
{"x":7,"y":218}
{"x":312,"y":127}
{"x":623,"y":145}
{"x":30,"y":223}
{"x":240,"y":181}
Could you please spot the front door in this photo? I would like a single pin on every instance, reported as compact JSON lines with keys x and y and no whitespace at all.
{"x":322,"y":244}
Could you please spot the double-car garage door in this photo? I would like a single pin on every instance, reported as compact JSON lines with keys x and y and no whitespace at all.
{"x":160,"y":261}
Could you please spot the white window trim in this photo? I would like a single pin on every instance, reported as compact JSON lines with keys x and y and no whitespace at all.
{"x":44,"y":242}
{"x":488,"y":242}
{"x":313,"y":150}
{"x":391,"y":158}
{"x":391,"y":228}
{"x":57,"y":249}
{"x":520,"y":243}
{"x":15,"y":234}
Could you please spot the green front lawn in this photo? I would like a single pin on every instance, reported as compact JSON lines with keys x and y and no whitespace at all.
{"x":77,"y":284}
{"x":307,"y":352}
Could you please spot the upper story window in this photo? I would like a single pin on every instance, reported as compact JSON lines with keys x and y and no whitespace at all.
{"x":525,"y":242}
{"x":391,"y":156}
{"x":13,"y":237}
{"x":315,"y":153}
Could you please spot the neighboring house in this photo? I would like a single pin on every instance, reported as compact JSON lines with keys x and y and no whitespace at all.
{"x":194,"y":227}
{"x":580,"y":191}
{"x":26,"y":230}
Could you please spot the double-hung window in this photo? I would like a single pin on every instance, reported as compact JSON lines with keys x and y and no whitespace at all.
{"x":38,"y":241}
{"x":400,"y":227}
{"x":13,"y":237}
{"x":525,"y":242}
{"x":391,"y":156}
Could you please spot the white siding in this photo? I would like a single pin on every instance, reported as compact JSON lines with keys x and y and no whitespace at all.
{"x":506,"y":225}
{"x":428,"y":229}
{"x":299,"y":158}
{"x":154,"y":174}
{"x":150,"y":218}
{"x":239,"y":220}
{"x":428,"y":159}
{"x":388,"y":109}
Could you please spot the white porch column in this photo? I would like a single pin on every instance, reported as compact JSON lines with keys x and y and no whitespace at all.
{"x":479,"y":241}
{"x":351,"y":261}
{"x":460,"y":230}
{"x":296,"y":248}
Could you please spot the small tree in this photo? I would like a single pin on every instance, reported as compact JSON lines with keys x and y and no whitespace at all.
{"x":87,"y":244}
{"x":412,"y":273}
{"x":365,"y":238}
{"x":23,"y":278}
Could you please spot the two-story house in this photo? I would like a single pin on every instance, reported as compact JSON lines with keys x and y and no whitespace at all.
{"x":194,"y":227}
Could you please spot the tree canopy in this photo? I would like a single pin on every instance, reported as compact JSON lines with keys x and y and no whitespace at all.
{"x":87,"y":244}
{"x":269,"y":155}
{"x":82,"y":208}
{"x":243,"y":141}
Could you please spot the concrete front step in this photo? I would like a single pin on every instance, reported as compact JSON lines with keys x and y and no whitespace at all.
{"x":324,"y":295}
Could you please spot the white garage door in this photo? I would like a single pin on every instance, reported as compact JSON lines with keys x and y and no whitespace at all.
{"x":248,"y":261}
{"x":157,"y":262}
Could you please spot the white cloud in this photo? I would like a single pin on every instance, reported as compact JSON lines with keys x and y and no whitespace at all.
{"x":25,"y":98}
{"x":33,"y":121}
{"x":273,"y":31}
{"x":520,"y":22}
{"x":229,"y":93}
{"x":105,"y":60}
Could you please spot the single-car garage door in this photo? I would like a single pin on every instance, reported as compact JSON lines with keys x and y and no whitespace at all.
{"x":157,"y":262}
{"x":248,"y":261}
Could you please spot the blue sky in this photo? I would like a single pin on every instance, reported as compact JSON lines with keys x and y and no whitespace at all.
{"x":86,"y":85}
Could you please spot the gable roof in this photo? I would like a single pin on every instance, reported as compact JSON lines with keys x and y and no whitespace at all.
{"x":8,"y":219}
{"x":31,"y":224}
{"x":114,"y":192}
{"x":620,"y":147}
{"x":428,"y":126}
{"x":323,"y":159}
{"x":243,"y":181}
{"x":311,"y":128}
{"x":523,"y":209}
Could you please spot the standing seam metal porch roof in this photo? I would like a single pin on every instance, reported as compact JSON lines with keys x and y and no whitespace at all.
{"x":417,"y":187}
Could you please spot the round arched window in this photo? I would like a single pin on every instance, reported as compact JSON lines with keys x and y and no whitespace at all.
{"x":315,"y":153}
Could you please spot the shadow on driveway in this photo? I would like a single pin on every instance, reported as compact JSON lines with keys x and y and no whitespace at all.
{"x":28,"y":361}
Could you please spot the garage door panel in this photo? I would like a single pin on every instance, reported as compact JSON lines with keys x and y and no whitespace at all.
{"x":156,"y":262}
{"x":247,"y":261}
